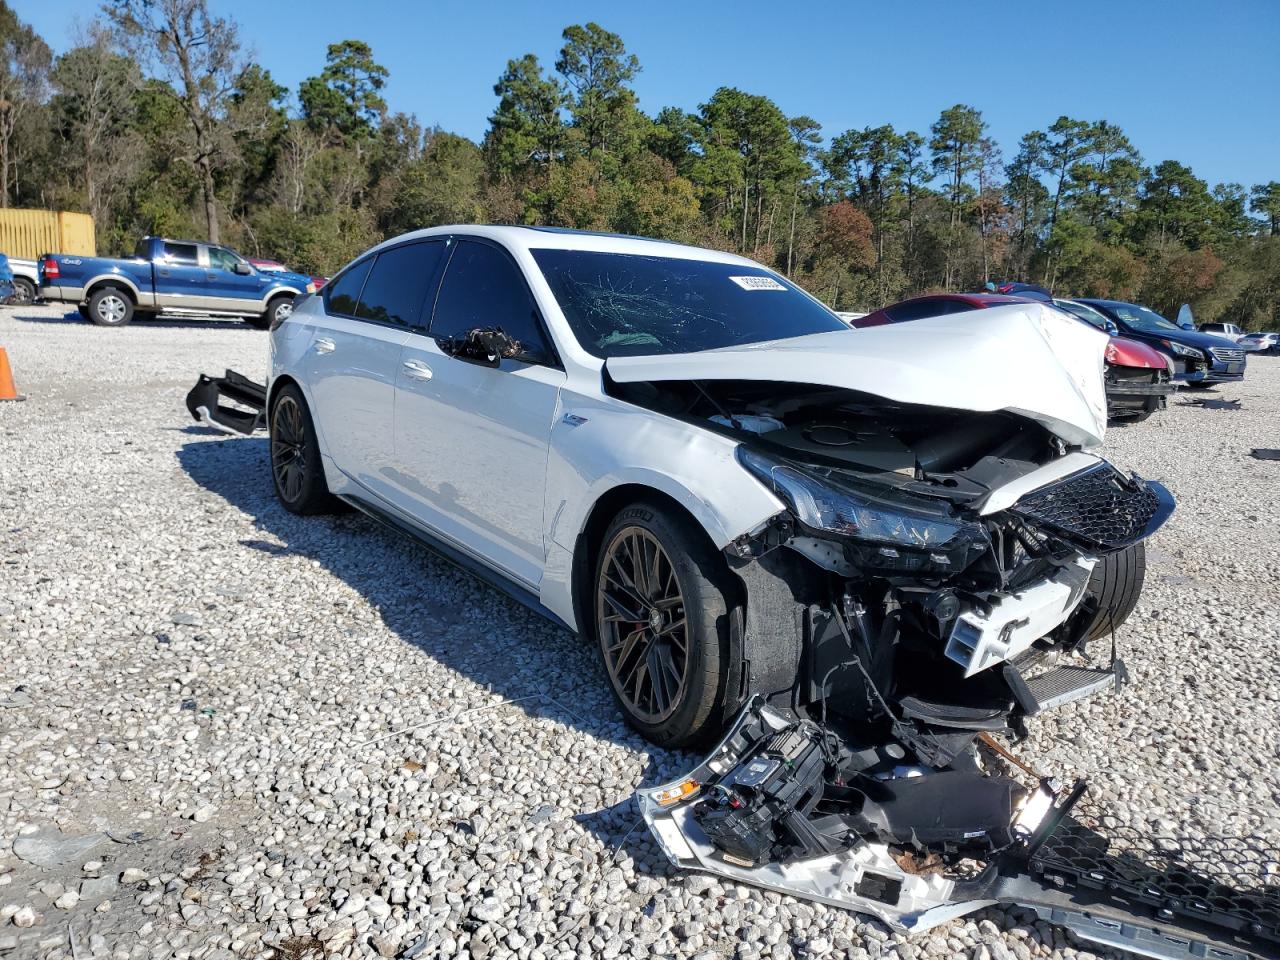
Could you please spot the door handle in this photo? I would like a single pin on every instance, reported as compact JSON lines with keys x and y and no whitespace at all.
{"x":325,"y":345}
{"x":417,"y":370}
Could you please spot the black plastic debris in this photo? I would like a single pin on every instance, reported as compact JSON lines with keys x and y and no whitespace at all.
{"x":1265,"y":453}
{"x":1212,"y":403}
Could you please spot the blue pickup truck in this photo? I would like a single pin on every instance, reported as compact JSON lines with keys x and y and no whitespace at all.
{"x":176,"y":277}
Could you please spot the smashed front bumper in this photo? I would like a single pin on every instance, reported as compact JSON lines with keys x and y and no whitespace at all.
{"x":1056,"y":862}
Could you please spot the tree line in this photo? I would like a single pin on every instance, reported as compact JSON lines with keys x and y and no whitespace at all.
{"x":156,"y":121}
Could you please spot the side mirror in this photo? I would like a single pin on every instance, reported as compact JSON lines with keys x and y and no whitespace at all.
{"x":486,"y":346}
{"x":1112,"y":328}
{"x":242,"y":268}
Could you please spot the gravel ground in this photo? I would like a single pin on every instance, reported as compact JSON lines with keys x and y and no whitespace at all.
{"x":225,"y":729}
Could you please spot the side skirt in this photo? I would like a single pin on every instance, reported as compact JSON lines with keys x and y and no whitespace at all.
{"x":464,"y":561}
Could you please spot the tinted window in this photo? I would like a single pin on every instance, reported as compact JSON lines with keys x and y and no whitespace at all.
{"x":1080,"y":311}
{"x":221,"y":259}
{"x":627,"y":305}
{"x":342,"y":294}
{"x":180,"y":252}
{"x":483,"y":288}
{"x":922,"y":309}
{"x":397,"y":284}
{"x":1140,"y":318}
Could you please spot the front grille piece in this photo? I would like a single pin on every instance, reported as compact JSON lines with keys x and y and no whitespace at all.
{"x":1230,"y":883}
{"x":1227,"y":354}
{"x":1098,"y":508}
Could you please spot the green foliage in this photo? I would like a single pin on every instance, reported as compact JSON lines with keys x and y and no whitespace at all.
{"x":151,"y":131}
{"x":345,"y":97}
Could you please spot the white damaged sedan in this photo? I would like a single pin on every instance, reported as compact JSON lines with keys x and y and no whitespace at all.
{"x":683,"y":456}
{"x":856,"y":561}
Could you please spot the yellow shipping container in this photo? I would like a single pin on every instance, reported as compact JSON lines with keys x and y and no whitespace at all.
{"x":26,"y":234}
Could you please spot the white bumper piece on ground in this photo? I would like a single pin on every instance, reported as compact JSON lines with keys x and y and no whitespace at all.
{"x":856,"y":879}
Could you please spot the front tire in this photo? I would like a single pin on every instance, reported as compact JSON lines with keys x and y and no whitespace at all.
{"x":110,"y":307}
{"x":296,"y":469}
{"x":661,"y":617}
{"x":1114,"y":587}
{"x":279,"y":309}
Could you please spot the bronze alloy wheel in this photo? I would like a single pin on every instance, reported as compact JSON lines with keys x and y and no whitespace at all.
{"x":288,"y":448}
{"x":640,"y":620}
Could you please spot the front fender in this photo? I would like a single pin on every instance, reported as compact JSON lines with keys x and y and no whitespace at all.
{"x":600,"y":445}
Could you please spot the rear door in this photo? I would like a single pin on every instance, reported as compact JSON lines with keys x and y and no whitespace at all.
{"x":472,"y":440}
{"x":355,"y":352}
{"x":179,"y":276}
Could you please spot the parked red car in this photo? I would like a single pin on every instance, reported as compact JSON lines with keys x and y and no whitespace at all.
{"x":934,"y":305}
{"x":1137,"y":375}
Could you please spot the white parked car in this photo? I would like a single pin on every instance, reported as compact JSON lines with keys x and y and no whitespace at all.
{"x":1266,"y":342}
{"x":682,"y":455}
{"x":26,"y":281}
{"x":860,"y":550}
{"x":1228,"y":331}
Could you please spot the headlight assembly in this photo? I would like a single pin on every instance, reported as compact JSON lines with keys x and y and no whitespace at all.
{"x":1181,"y":350}
{"x":902,"y":537}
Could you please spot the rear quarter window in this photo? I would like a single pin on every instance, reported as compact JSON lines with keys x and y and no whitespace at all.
{"x":342,"y":294}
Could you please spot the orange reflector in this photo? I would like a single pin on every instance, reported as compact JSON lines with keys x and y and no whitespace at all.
{"x":677,"y":793}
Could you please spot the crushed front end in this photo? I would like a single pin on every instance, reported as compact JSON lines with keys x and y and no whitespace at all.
{"x":935,"y":580}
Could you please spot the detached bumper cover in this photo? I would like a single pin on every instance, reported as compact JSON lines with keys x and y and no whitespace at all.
{"x":1215,"y":899}
{"x":250,"y":399}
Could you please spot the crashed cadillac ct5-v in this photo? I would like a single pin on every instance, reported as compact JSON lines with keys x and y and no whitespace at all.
{"x":860,"y":560}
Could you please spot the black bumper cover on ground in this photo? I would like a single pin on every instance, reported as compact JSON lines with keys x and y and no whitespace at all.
{"x":249,"y":414}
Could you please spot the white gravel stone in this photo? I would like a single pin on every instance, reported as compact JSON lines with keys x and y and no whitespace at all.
{"x":214,"y":683}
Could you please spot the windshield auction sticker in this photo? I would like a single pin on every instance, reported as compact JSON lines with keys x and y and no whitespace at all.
{"x":757,"y":283}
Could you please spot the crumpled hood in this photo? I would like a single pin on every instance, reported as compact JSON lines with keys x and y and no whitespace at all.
{"x":1027,"y":359}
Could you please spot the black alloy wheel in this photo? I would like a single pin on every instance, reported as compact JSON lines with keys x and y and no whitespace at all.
{"x":640,"y":617}
{"x":289,"y":449}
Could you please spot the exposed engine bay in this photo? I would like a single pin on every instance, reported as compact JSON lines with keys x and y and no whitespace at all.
{"x":930,"y":586}
{"x":932,"y":567}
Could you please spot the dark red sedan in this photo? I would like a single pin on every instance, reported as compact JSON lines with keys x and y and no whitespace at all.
{"x":934,"y":305}
{"x":1137,"y":375}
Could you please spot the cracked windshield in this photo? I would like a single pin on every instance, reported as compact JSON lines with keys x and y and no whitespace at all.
{"x":623,"y":305}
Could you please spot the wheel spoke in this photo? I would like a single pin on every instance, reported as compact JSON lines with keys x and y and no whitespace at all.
{"x":641,"y":621}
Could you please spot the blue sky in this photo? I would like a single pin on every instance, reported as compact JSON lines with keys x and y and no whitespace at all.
{"x":1187,"y":80}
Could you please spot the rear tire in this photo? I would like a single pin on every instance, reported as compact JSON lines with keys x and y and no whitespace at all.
{"x":110,"y":307}
{"x":296,"y":469}
{"x":24,"y":292}
{"x":663,"y":639}
{"x":1115,"y":586}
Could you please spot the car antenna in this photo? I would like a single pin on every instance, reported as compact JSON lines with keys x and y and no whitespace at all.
{"x":720,"y":409}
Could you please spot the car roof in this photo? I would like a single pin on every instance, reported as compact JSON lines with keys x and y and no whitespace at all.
{"x":554,"y":238}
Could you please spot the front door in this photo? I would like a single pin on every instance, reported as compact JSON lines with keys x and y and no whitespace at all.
{"x":471,"y":441}
{"x":229,"y":290}
{"x":355,"y":353}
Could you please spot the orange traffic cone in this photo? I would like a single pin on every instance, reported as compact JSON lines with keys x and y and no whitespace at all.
{"x":7,"y":390}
